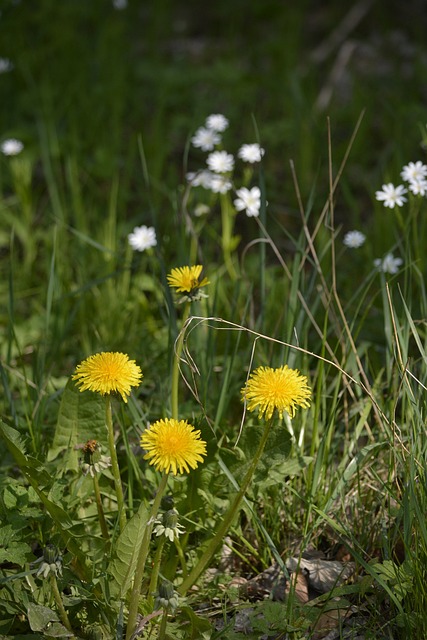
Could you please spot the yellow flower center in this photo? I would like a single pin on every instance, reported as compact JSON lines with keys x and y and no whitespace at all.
{"x":283,"y":389}
{"x":186,"y":279}
{"x":173,"y":445}
{"x":108,"y":372}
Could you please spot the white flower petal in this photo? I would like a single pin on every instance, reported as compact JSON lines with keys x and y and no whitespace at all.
{"x":354,"y":239}
{"x":251,"y":152}
{"x":220,"y":162}
{"x":142,"y":238}
{"x":12,"y":147}
{"x":217,"y":122}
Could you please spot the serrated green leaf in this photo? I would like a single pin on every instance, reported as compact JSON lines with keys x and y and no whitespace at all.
{"x":387,"y":568}
{"x":400,"y":577}
{"x":34,"y":472}
{"x":123,"y":565}
{"x":6,"y":625}
{"x":278,"y":469}
{"x":81,"y":418}
{"x":197,"y":624}
{"x":57,"y":630}
{"x":275,"y":455}
{"x":277,"y":447}
{"x":14,"y":443}
{"x":29,"y":465}
{"x":39,"y":617}
{"x":16,"y":552}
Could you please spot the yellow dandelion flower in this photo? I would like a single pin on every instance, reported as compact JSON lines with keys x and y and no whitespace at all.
{"x":187,"y":280}
{"x":173,"y":445}
{"x":108,"y":372}
{"x":283,"y":389}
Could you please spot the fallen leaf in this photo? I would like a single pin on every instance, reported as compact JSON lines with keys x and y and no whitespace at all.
{"x":329,"y":620}
{"x":323,"y":575}
{"x":298,"y":586}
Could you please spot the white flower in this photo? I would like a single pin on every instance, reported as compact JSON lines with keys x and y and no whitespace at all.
{"x":220,"y":184}
{"x":391,"y":195}
{"x":11,"y":147}
{"x":418,"y":186}
{"x":120,"y":4}
{"x":414,"y":171}
{"x":249,"y":200}
{"x":200,"y":178}
{"x":216,"y":122}
{"x":251,"y":152}
{"x":220,"y":161}
{"x":205,"y":139}
{"x":142,"y":238}
{"x":389,"y":264}
{"x":354,"y":239}
{"x":5,"y":65}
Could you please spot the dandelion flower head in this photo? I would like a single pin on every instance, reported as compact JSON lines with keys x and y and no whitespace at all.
{"x":283,"y":389}
{"x":168,"y":525}
{"x":187,"y":279}
{"x":108,"y":372}
{"x":173,"y":445}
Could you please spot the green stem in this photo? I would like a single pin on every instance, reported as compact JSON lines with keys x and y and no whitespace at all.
{"x":181,"y":557}
{"x":227,"y":223}
{"x":102,"y":521}
{"x":227,"y":519}
{"x":175,"y":365}
{"x":163,"y":624}
{"x":58,"y":599}
{"x":155,"y":571}
{"x":142,"y":557}
{"x":114,"y":463}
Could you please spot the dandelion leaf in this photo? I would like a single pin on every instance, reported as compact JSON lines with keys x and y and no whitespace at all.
{"x":14,"y":443}
{"x":81,"y":418}
{"x":277,"y":448}
{"x":31,"y":467}
{"x":275,"y":463}
{"x":40,"y":617}
{"x":197,"y":627}
{"x":122,"y":567}
{"x":12,"y":550}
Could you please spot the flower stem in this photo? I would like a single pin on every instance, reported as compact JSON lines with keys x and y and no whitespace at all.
{"x":114,"y":463}
{"x":102,"y":522}
{"x":227,"y":222}
{"x":227,"y":519}
{"x":155,"y":571}
{"x":163,"y":624}
{"x":58,"y":599}
{"x":142,"y":557}
{"x":175,"y":365}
